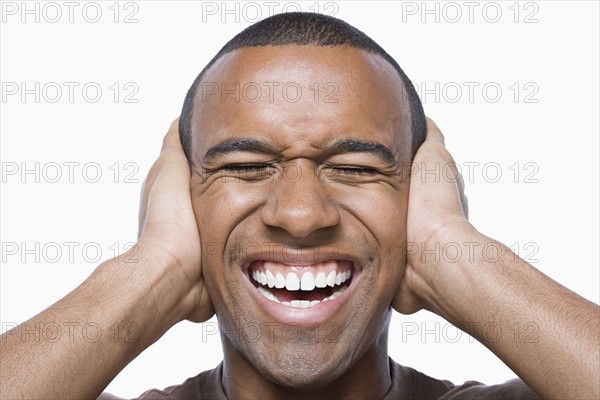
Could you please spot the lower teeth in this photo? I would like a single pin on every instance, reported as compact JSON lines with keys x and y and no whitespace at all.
{"x":300,"y":303}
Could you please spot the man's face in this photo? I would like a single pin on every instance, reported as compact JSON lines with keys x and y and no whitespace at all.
{"x":301,"y":204}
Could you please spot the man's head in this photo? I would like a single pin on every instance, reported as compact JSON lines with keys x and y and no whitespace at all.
{"x":304,"y":29}
{"x":298,"y":186}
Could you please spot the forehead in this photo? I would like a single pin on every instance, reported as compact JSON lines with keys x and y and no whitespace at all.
{"x":295,"y":95}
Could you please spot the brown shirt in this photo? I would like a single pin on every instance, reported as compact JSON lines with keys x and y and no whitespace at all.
{"x":406,"y":384}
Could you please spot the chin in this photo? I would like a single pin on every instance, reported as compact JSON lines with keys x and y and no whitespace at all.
{"x":298,"y":369}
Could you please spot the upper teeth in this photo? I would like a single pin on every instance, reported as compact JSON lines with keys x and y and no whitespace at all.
{"x":307,"y":281}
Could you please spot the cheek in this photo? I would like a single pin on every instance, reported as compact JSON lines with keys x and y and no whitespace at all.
{"x":382,"y":211}
{"x":221,"y":207}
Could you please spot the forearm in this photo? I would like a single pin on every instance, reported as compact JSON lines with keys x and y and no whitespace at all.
{"x":78,"y":345}
{"x":544,"y":332}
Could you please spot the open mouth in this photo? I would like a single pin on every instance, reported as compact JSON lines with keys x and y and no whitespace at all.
{"x":301,"y":286}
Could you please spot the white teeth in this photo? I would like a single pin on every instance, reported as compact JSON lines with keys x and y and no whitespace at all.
{"x":304,"y":304}
{"x":336,"y":293}
{"x":292,"y":282}
{"x":268,"y":294}
{"x":321,"y":280}
{"x":279,"y":281}
{"x":308,"y":281}
{"x":263,"y":278}
{"x":331,"y":279}
{"x":346,"y":275}
{"x":300,"y":303}
{"x":338,"y":278}
{"x":270,"y":279}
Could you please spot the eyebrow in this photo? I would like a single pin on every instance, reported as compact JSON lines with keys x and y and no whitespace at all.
{"x":237,"y":145}
{"x":338,"y":147}
{"x":362,"y":146}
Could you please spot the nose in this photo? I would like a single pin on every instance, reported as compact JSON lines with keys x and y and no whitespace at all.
{"x":299,"y":202}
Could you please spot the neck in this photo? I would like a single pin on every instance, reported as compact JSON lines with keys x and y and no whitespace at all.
{"x":368,"y":378}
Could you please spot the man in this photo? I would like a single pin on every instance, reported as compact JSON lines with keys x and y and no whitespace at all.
{"x":298,"y":209}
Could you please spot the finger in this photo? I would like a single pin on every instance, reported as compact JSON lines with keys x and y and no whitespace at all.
{"x":142,"y":209}
{"x":464,"y":202}
{"x":172,"y":141}
{"x":169,"y":177}
{"x":434,"y":134}
{"x":456,"y":177}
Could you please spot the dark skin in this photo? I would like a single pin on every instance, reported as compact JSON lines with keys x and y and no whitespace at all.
{"x":329,"y":206}
{"x":357,"y":201}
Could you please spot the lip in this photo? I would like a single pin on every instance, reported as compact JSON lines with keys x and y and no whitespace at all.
{"x":318,"y":314}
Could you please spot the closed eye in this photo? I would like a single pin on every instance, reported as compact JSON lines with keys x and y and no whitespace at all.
{"x":245,"y":167}
{"x":355,"y":170}
{"x":249,"y":172}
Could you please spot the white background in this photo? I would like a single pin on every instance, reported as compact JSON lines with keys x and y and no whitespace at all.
{"x":555,"y":54}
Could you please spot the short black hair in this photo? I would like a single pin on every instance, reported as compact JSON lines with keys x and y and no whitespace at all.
{"x":305,"y":28}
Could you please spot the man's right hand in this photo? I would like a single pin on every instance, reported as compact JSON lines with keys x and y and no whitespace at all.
{"x":131,"y":300}
{"x":167,"y":226}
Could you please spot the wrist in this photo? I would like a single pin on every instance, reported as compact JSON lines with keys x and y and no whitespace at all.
{"x":443,"y":261}
{"x":474,"y":273}
{"x":145,"y":284}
